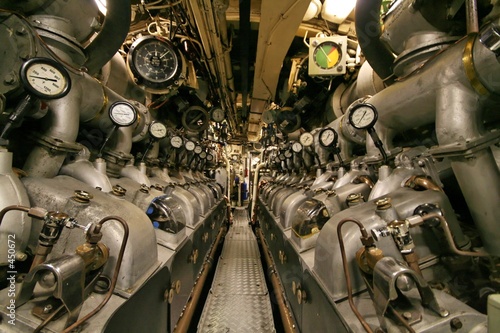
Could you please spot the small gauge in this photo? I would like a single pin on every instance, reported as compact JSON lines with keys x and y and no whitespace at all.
{"x":297,"y":147}
{"x":217,"y":114}
{"x":210,"y":157}
{"x":328,"y":137}
{"x":327,"y":55}
{"x":282,"y":157}
{"x":235,"y":158}
{"x":176,"y":141}
{"x":306,"y":139}
{"x":45,"y":78}
{"x":122,"y":114}
{"x":363,"y":116}
{"x":190,"y":145}
{"x":203,"y":154}
{"x":288,"y":154}
{"x":198,"y":149}
{"x":157,"y":130}
{"x":277,"y":159}
{"x":155,"y":62}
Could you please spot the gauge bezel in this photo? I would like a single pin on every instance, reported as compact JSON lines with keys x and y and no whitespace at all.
{"x":359,"y":106}
{"x":335,"y":137}
{"x":113,"y":106}
{"x":143,"y":80}
{"x":303,"y":137}
{"x":150,"y":130}
{"x":322,"y":44}
{"x":175,"y":137}
{"x":23,"y":73}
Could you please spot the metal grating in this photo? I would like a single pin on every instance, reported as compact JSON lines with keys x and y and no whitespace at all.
{"x":240,"y":249}
{"x":239,"y":276}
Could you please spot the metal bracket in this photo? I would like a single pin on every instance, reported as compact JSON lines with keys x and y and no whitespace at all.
{"x":69,"y":273}
{"x":385,"y":275}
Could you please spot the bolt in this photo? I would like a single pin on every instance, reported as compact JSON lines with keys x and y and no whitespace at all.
{"x":144,"y":188}
{"x":47,"y":309}
{"x":82,"y":196}
{"x":119,"y":191}
{"x":9,"y":79}
{"x":383,"y":204}
{"x":456,"y":324}
{"x":20,"y":256}
{"x":407,"y":315}
{"x":21,"y":30}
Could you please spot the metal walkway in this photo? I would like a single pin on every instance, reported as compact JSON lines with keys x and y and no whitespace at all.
{"x":238,"y":300}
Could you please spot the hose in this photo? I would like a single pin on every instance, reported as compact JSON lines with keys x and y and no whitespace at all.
{"x":13,"y":207}
{"x":115,"y":274}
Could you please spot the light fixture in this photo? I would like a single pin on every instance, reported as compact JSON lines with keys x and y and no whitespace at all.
{"x":336,"y":11}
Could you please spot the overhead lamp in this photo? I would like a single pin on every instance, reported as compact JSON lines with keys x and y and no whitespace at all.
{"x":336,"y":11}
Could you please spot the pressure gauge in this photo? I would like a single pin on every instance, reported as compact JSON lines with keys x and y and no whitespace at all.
{"x":176,"y":141}
{"x":155,"y":62}
{"x":306,"y":139}
{"x":203,"y":155}
{"x":288,"y":154}
{"x":122,"y":114}
{"x":363,"y":116}
{"x":297,"y":147}
{"x":210,"y":157}
{"x":198,"y":149}
{"x":277,"y":160}
{"x":282,"y":157}
{"x":45,"y":78}
{"x":190,"y":145}
{"x":328,"y":137}
{"x":327,"y":55}
{"x":217,"y":114}
{"x":157,"y":130}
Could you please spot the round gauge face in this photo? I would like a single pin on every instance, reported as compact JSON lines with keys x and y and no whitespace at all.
{"x":328,"y":137}
{"x":198,"y":149}
{"x":218,"y":115}
{"x":327,"y":55}
{"x":203,"y":154}
{"x":45,"y":78}
{"x":210,"y":157}
{"x":154,"y":61}
{"x":190,"y":145}
{"x":176,"y":141}
{"x":281,"y":157}
{"x":288,"y":154}
{"x":157,"y":130}
{"x":122,"y":114}
{"x":277,"y":159}
{"x":306,"y":139}
{"x":297,"y":147}
{"x":363,"y":116}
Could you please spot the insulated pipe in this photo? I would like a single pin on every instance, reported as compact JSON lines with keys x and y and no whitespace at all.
{"x":188,"y":312}
{"x":110,"y":38}
{"x":368,"y":31}
{"x":289,"y":325}
{"x":256,"y":187}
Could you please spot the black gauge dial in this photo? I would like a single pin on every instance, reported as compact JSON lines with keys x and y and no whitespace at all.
{"x":328,"y":137}
{"x":155,"y":62}
{"x":122,"y":114}
{"x":363,"y":116}
{"x":157,"y":130}
{"x":45,"y":78}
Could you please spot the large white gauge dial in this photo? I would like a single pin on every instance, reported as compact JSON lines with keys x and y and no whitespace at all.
{"x":122,"y":114}
{"x":297,"y":147}
{"x":306,"y":139}
{"x":157,"y":130}
{"x":176,"y":141}
{"x":198,"y":149}
{"x":363,"y":116}
{"x":190,"y":145}
{"x":328,"y":137}
{"x":45,"y":78}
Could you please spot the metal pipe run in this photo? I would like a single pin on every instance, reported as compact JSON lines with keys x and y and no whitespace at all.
{"x":289,"y":325}
{"x":187,"y":314}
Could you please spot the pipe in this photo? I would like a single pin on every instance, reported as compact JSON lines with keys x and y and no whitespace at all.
{"x":422,"y":181}
{"x":368,"y":31}
{"x":132,"y":172}
{"x":188,"y":312}
{"x":472,"y":18}
{"x":115,"y":274}
{"x":110,"y":38}
{"x":289,"y":325}
{"x":85,"y":171}
{"x":255,"y":189}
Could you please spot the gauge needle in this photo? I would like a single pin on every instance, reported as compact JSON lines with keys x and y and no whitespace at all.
{"x":43,"y":78}
{"x":362,"y":117}
{"x":164,"y":54}
{"x":329,"y":61}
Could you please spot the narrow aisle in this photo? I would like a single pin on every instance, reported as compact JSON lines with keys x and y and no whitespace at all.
{"x":238,"y":300}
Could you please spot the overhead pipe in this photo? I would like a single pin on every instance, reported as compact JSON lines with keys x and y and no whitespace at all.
{"x":368,"y":31}
{"x":256,"y":188}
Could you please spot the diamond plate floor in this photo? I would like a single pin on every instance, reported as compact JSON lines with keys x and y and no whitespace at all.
{"x":238,"y":300}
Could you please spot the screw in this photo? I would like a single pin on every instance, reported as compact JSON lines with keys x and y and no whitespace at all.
{"x":383,"y":204}
{"x":456,"y":324}
{"x":9,"y":79}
